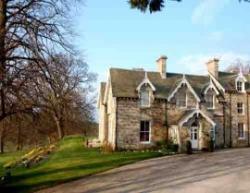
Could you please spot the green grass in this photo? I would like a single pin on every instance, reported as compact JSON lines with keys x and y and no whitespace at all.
{"x":70,"y":161}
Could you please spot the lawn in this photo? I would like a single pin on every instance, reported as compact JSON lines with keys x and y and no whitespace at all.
{"x":70,"y":161}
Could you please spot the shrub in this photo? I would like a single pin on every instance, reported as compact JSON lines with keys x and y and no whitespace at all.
{"x":189,"y":147}
{"x":167,"y":147}
{"x":107,"y":148}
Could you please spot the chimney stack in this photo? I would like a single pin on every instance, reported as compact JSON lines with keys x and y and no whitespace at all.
{"x":162,"y":66}
{"x":213,"y":67}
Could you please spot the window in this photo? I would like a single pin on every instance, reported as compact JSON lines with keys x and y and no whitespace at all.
{"x":145,"y":98}
{"x":241,"y":134}
{"x":145,"y":131}
{"x":210,"y":100}
{"x":181,"y":100}
{"x":239,"y":86}
{"x":240,"y":108}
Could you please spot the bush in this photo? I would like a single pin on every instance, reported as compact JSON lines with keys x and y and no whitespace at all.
{"x":211,"y":146}
{"x":173,"y":147}
{"x":107,"y":148}
{"x":167,"y":147}
{"x":189,"y":147}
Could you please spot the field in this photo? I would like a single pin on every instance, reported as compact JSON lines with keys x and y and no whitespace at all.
{"x":70,"y":161}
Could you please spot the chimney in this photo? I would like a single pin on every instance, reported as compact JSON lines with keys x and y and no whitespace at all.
{"x":213,"y":67}
{"x":162,"y":66}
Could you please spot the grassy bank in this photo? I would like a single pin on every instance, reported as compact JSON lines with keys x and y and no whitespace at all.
{"x":70,"y":161}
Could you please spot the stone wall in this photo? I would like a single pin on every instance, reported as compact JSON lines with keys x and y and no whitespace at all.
{"x":232,"y":123}
{"x":129,"y":115}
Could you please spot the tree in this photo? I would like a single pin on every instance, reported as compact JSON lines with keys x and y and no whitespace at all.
{"x":153,"y":5}
{"x":28,"y":29}
{"x":239,"y":65}
{"x":62,"y":85}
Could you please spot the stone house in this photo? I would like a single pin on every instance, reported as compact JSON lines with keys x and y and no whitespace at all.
{"x":137,"y":108}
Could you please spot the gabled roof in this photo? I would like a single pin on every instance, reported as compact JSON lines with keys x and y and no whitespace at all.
{"x":227,"y":80}
{"x":186,"y":82}
{"x":190,"y":114}
{"x":124,"y":82}
{"x":145,"y":81}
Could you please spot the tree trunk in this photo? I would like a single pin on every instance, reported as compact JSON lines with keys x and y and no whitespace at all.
{"x":2,"y":54}
{"x":19,"y":146}
{"x":2,"y":136}
{"x":59,"y":126}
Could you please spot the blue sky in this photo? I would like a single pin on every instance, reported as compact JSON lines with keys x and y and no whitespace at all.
{"x":189,"y":33}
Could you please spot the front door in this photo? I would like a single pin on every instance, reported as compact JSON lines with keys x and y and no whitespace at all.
{"x":194,"y":137}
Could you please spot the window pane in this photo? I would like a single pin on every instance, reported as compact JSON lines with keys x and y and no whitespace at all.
{"x":240,"y":130}
{"x":239,"y":86}
{"x":144,"y":98}
{"x":182,"y":100}
{"x":210,"y":100}
{"x":240,"y":108}
{"x":144,"y":131}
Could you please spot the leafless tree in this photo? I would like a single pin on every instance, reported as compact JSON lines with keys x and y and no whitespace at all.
{"x":239,"y":65}
{"x":62,"y":88}
{"x":28,"y":28}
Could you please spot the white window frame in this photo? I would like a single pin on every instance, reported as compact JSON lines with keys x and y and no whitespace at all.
{"x":186,"y":104}
{"x":149,"y":99}
{"x":241,"y":137}
{"x":242,"y":86}
{"x":149,"y":141}
{"x":243,"y":108}
{"x":242,"y":79}
{"x":213,"y":107}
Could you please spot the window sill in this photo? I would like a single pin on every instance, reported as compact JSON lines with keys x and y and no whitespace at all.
{"x":241,"y":138}
{"x":145,"y":142}
{"x":241,"y":92}
{"x":145,"y":107}
{"x":183,"y":108}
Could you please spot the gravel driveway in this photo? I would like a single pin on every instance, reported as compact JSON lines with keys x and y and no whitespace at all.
{"x":219,"y":172}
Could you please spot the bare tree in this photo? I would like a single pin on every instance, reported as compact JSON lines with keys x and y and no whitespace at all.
{"x":28,"y":28}
{"x":62,"y":88}
{"x":239,"y":65}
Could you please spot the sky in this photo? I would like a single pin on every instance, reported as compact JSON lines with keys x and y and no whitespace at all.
{"x":110,"y":34}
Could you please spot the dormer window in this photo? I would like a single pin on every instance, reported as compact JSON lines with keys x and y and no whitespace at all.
{"x":181,"y":101}
{"x":240,"y":86}
{"x":145,"y":97}
{"x":240,"y":82}
{"x":145,"y":91}
{"x":210,"y":100}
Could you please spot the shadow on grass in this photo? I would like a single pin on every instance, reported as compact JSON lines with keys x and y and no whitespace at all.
{"x":39,"y":176}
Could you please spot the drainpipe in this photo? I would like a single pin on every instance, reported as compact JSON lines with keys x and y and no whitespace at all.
{"x":166,"y":119}
{"x":230,"y":132}
{"x":248,"y":142}
{"x":224,"y":124}
{"x":116,"y":131}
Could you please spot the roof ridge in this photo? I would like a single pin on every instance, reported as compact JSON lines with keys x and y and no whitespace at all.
{"x":172,"y":73}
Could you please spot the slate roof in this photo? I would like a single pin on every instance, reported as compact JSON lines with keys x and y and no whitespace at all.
{"x":227,"y":80}
{"x":124,"y":82}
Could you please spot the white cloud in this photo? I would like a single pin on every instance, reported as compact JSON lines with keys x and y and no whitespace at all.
{"x":206,"y":11}
{"x":195,"y":64}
